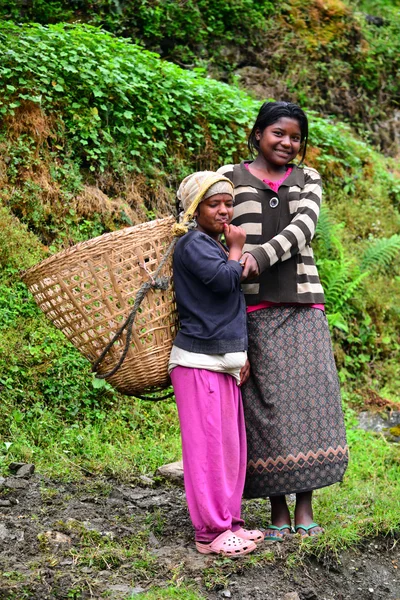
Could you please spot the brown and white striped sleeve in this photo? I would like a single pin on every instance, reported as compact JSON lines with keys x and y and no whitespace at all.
{"x":299,"y":233}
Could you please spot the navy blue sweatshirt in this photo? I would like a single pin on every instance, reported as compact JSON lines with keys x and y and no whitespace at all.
{"x":211,"y":305}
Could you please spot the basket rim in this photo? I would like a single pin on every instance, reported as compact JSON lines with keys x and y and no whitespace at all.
{"x":93,"y":242}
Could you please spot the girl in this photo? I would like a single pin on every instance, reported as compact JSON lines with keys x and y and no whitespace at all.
{"x":208,"y":361}
{"x":294,"y":422}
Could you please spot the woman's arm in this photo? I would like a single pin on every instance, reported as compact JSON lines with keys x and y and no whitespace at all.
{"x":203,"y":259}
{"x":293,"y":238}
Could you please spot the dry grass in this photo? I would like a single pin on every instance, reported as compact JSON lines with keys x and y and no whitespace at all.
{"x":119,"y":199}
{"x":132,"y":200}
{"x":29,"y":119}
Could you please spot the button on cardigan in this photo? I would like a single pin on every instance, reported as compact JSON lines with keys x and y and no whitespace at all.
{"x":279,"y":234}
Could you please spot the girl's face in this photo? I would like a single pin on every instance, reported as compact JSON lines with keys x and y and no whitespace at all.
{"x":280,"y":142}
{"x":213,"y":212}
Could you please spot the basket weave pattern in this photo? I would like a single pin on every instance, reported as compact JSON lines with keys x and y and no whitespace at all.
{"x":88,"y":291}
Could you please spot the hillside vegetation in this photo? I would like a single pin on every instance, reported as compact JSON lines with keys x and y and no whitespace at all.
{"x":339,"y":58}
{"x":95,"y":134}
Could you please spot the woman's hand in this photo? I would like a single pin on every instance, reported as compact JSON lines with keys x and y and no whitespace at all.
{"x":250,"y":267}
{"x":244,"y":373}
{"x":234,"y":236}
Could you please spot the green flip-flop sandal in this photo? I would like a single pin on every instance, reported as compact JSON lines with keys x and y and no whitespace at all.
{"x":307,"y":528}
{"x":275,"y":538}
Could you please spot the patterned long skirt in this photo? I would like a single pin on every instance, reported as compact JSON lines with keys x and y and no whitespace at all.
{"x":296,"y":439}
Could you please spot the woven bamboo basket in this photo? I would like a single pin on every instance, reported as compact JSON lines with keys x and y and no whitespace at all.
{"x":88,"y":291}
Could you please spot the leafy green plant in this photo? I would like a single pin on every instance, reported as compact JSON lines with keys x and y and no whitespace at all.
{"x":102,"y":88}
{"x":326,"y":56}
{"x":380,"y":254}
{"x":340,"y":275}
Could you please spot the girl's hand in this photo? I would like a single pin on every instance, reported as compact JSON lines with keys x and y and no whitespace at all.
{"x":244,"y":373}
{"x":234,"y":236}
{"x":250,"y":267}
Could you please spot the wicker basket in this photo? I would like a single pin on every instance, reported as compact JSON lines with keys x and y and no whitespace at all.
{"x":89,"y":290}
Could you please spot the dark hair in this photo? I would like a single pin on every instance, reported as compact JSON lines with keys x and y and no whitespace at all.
{"x":270,"y":113}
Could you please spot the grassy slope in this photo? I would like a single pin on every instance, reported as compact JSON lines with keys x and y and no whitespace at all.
{"x":53,"y":415}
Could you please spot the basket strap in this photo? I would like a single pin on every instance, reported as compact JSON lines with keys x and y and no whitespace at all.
{"x":156,"y":282}
{"x":155,"y":398}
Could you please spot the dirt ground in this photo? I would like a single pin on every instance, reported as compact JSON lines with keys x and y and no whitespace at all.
{"x":106,"y":540}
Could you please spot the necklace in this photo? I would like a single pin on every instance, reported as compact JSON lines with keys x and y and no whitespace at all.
{"x":223,"y":247}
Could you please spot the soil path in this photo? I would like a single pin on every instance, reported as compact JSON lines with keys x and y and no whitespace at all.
{"x":105,"y":540}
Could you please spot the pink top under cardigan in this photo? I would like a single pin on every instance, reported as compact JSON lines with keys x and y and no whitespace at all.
{"x":274,"y":185}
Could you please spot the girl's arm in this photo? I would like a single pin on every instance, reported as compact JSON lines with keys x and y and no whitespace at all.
{"x":203,"y":259}
{"x":298,"y":234}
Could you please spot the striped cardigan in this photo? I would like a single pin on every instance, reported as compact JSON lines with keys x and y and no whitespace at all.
{"x":279,"y":230}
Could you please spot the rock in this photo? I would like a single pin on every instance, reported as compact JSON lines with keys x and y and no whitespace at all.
{"x":309,"y":594}
{"x":104,"y":573}
{"x":172,"y":472}
{"x":5,"y":503}
{"x":373,"y":20}
{"x":116,"y":503}
{"x":226,"y":594}
{"x":2,"y":481}
{"x":133,"y":494}
{"x":13,"y":483}
{"x":153,"y":501}
{"x":19,"y":536}
{"x":14,"y":466}
{"x":291,"y":596}
{"x":55,"y":538}
{"x":153,"y":541}
{"x":86,"y":570}
{"x":25,"y":471}
{"x":148,"y":481}
{"x":125,"y":589}
{"x":4,"y":533}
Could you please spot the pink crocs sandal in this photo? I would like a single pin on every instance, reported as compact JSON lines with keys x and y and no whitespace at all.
{"x":228,"y":544}
{"x":254,"y":535}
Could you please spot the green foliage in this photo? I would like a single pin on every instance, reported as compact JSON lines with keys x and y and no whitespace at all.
{"x":323,"y":55}
{"x":81,"y":108}
{"x":381,"y":254}
{"x":107,"y":108}
{"x":101,"y":89}
{"x":340,"y":275}
{"x":346,"y":280}
{"x":367,"y":502}
{"x":18,"y":248}
{"x":327,"y":234}
{"x":183,"y":28}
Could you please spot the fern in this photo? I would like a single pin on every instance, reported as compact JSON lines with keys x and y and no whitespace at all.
{"x":326,"y":234}
{"x":340,"y":279}
{"x":381,"y":254}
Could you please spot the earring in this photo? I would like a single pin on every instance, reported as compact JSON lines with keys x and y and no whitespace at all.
{"x":192,"y":224}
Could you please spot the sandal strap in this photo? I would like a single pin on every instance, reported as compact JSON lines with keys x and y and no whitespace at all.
{"x":306,"y":527}
{"x":275,"y":528}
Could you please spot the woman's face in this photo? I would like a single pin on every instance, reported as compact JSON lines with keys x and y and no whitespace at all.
{"x":280,"y":142}
{"x":213,"y":212}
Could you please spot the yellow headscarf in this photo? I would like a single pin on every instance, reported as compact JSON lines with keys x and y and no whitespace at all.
{"x":195,"y":188}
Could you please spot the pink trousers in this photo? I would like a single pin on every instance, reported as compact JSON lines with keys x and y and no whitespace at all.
{"x":213,"y":447}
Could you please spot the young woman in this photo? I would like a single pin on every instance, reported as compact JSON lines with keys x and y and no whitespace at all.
{"x":295,"y":431}
{"x":208,"y":363}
